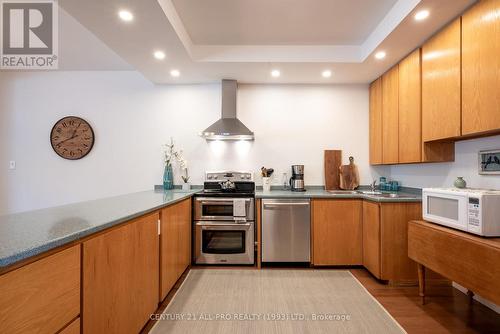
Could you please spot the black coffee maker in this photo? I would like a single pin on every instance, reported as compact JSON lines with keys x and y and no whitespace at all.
{"x":297,"y":179}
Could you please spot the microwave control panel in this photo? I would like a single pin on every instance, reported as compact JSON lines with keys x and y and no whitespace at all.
{"x":474,"y":212}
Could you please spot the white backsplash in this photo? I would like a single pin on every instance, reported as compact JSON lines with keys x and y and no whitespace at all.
{"x":444,"y":174}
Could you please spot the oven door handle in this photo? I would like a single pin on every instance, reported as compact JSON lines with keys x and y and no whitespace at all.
{"x":218,"y":201}
{"x":203,"y":225}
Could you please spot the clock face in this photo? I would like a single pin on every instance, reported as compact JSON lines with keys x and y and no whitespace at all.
{"x":72,"y":138}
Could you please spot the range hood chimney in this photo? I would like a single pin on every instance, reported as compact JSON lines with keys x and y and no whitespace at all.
{"x":228,"y":127}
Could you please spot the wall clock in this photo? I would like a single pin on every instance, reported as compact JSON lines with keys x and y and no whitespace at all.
{"x":72,"y":138}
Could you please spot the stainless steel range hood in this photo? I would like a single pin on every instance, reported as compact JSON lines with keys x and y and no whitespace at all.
{"x":228,"y":127}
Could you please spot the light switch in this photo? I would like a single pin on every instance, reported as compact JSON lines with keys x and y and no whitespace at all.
{"x":12,"y":165}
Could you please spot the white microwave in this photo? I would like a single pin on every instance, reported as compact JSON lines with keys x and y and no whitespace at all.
{"x":472,"y":210}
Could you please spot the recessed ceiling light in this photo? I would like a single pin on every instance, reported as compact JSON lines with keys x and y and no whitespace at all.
{"x":275,"y":73}
{"x":175,"y":73}
{"x":326,"y":73}
{"x":159,"y":55}
{"x":421,"y":15}
{"x":125,"y":15}
{"x":380,"y":55}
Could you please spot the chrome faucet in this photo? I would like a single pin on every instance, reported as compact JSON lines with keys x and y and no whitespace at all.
{"x":374,"y":185}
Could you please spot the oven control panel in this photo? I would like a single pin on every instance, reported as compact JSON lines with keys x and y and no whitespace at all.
{"x":231,"y":176}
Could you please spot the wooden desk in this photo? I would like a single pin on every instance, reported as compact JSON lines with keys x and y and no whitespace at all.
{"x":469,"y":260}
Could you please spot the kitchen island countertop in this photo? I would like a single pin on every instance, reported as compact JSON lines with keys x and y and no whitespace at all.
{"x":24,"y":235}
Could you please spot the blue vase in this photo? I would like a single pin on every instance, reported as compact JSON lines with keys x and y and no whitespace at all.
{"x":168,"y":178}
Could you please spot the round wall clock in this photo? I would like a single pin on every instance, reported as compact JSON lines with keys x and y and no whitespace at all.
{"x":72,"y":138}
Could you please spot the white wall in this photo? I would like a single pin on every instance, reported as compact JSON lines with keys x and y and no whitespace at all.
{"x":443,"y":174}
{"x":132,"y":119}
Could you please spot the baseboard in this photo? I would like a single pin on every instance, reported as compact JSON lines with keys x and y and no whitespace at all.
{"x":479,"y":299}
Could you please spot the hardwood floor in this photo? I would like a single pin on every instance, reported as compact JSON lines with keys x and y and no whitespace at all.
{"x":446,"y":310}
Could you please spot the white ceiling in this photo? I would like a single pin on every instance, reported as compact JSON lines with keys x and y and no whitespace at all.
{"x":81,"y":50}
{"x":206,"y":48}
{"x":281,"y":22}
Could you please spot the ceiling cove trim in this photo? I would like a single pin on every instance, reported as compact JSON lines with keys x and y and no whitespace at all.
{"x":389,"y":23}
{"x":289,"y":53}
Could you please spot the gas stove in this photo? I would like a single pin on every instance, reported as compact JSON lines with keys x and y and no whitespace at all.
{"x":228,"y":184}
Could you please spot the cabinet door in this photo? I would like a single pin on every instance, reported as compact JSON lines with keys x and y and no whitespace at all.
{"x":371,"y":237}
{"x":120,"y":277}
{"x":395,"y":264}
{"x":441,"y":101}
{"x":41,"y":297}
{"x":175,"y":240}
{"x":376,"y":122}
{"x":390,"y":118}
{"x":410,"y":120}
{"x":481,"y":68}
{"x":337,"y":232}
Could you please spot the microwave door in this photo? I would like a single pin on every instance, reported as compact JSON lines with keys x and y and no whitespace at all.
{"x":445,"y":209}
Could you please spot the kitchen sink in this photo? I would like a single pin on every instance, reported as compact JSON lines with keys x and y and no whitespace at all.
{"x":371,"y":193}
{"x":343,"y":192}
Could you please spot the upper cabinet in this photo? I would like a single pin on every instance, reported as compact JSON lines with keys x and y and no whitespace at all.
{"x":441,"y":85}
{"x":481,"y":68}
{"x":446,"y":91}
{"x":410,"y":115}
{"x":390,"y":118}
{"x":376,"y":122}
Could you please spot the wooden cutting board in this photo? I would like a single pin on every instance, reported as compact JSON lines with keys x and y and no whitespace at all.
{"x":349,"y":175}
{"x":333,"y":160}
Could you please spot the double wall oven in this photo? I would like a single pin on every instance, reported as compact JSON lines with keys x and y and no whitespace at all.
{"x":224,"y":224}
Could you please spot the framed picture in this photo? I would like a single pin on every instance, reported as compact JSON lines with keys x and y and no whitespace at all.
{"x":489,"y":162}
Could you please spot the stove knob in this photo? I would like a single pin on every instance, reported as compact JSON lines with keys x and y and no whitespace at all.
{"x":248,"y":177}
{"x":209,"y":177}
{"x":216,"y":177}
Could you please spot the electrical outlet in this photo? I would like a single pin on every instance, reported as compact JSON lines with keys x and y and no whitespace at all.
{"x":12,"y":165}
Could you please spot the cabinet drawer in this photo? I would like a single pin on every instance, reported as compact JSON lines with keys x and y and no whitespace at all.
{"x":43,"y":296}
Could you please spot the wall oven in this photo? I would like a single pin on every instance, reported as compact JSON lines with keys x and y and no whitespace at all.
{"x":214,"y":208}
{"x":224,"y":242}
{"x":472,"y":210}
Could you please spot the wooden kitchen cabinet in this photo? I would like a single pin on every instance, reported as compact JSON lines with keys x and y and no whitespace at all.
{"x":337,"y":232}
{"x":441,"y":88}
{"x":390,"y":116}
{"x":410,"y":113}
{"x":371,"y":237}
{"x":175,"y":244}
{"x":41,"y":297}
{"x":481,"y":68}
{"x":376,"y":122}
{"x":385,"y":240}
{"x":120,"y":277}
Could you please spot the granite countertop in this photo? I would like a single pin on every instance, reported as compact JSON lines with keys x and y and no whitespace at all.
{"x":406,"y":195}
{"x":27,"y":234}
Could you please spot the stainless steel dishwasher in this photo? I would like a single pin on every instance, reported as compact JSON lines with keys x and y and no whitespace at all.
{"x":286,"y":230}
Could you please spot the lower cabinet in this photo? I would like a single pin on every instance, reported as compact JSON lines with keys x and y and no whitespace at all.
{"x":337,"y":232}
{"x":371,"y":237}
{"x":120,"y":277}
{"x":43,"y":296}
{"x":175,"y":244}
{"x":385,"y":240}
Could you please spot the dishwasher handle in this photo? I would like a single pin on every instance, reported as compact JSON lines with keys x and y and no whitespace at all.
{"x":288,"y":204}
